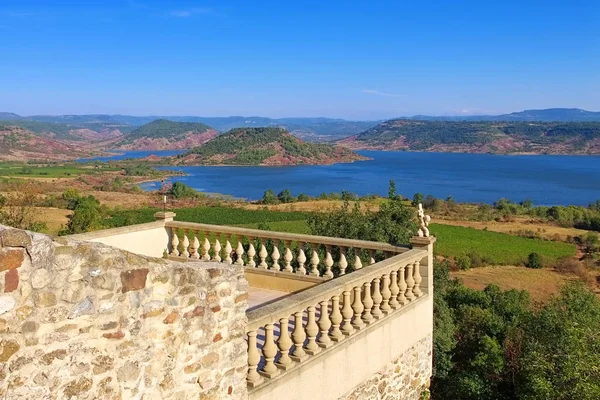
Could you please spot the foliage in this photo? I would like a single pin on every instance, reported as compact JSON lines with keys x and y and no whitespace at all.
{"x":463,"y":262}
{"x":285,"y":196}
{"x":418,"y":198}
{"x":393,"y":223}
{"x":269,"y":197}
{"x":492,"y":344}
{"x":253,"y":146}
{"x":534,"y":261}
{"x":17,"y":209}
{"x":495,"y":248}
{"x":180,"y":190}
{"x":87,"y":215}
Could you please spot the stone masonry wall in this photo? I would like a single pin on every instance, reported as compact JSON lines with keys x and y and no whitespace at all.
{"x":404,"y":379}
{"x":81,"y":320}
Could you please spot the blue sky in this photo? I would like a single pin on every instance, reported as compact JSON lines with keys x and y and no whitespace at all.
{"x":351,"y":59}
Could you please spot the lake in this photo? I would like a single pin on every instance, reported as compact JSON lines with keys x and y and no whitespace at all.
{"x":547,"y":180}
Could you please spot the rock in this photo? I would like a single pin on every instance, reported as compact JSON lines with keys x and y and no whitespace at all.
{"x":84,"y":307}
{"x":7,"y":349}
{"x":40,"y":278}
{"x":44,"y":299}
{"x":7,"y":303}
{"x":77,"y":387}
{"x":15,"y":238}
{"x":11,"y":258}
{"x":30,"y":327}
{"x":134,"y":279}
{"x":11,"y":280}
{"x":128,"y":372}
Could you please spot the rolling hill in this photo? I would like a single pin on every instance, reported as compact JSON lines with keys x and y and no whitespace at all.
{"x":19,"y":144}
{"x":481,"y":137}
{"x":163,"y":134}
{"x":264,"y":146}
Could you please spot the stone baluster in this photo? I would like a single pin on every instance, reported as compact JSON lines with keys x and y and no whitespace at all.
{"x":357,"y":307}
{"x":185,"y":244}
{"x":371,"y":257}
{"x":343,"y":261}
{"x":288,"y":257}
{"x":314,"y":261}
{"x":195,"y":246}
{"x":217,"y":249}
{"x":253,"y":378}
{"x":328,"y":263}
{"x":276,"y":256}
{"x":174,"y":243}
{"x":336,"y":319}
{"x":410,"y":283}
{"x":262,"y":254}
{"x":312,"y":329}
{"x":251,"y":253}
{"x":367,"y":302}
{"x":402,"y":286}
{"x":377,"y":298}
{"x":206,"y":248}
{"x":386,"y":294}
{"x":324,"y":324}
{"x":301,"y":259}
{"x":417,"y":277}
{"x":228,"y":250}
{"x":298,"y":338}
{"x":269,"y":351}
{"x":394,"y":290}
{"x":285,"y":344}
{"x":357,"y":262}
{"x":347,"y":312}
{"x":239,"y":252}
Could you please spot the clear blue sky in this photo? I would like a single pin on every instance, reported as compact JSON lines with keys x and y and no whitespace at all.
{"x":366,"y":59}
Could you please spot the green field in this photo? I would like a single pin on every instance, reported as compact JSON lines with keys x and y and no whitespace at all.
{"x":498,"y":248}
{"x":47,"y":171}
{"x":495,"y":248}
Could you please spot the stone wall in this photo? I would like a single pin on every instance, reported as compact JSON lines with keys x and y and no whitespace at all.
{"x":81,"y":320}
{"x":406,"y":378}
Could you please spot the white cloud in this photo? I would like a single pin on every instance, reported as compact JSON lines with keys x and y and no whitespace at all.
{"x":190,"y":11}
{"x":379,"y":93}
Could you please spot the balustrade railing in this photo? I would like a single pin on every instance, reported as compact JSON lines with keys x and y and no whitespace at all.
{"x":276,"y":251}
{"x":290,"y":331}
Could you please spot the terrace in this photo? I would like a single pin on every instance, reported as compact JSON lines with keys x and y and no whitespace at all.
{"x":326,"y":318}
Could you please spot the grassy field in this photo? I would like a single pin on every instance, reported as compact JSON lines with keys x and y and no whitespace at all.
{"x":49,"y":171}
{"x":540,"y":283}
{"x":498,"y":248}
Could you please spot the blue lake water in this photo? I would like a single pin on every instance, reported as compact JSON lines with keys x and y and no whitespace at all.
{"x":547,"y":180}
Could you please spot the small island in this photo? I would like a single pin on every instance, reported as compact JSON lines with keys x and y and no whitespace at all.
{"x":264,"y":146}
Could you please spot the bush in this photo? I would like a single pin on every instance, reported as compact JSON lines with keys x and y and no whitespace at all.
{"x":181,"y":191}
{"x":534,"y":261}
{"x":463,"y":262}
{"x":476,"y":260}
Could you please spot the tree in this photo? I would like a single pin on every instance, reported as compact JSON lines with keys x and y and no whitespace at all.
{"x":86,"y":216}
{"x":269,"y":197}
{"x":417,"y":199}
{"x":534,"y":261}
{"x":18,"y":210}
{"x":180,"y":190}
{"x":302,"y":197}
{"x":285,"y":196}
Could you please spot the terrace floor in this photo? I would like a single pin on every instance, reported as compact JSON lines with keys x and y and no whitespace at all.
{"x":258,"y":296}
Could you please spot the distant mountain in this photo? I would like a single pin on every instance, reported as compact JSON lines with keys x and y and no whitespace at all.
{"x":481,"y":137}
{"x":545,"y":115}
{"x":264,"y":146}
{"x":19,"y":144}
{"x":163,"y":134}
{"x":89,"y":131}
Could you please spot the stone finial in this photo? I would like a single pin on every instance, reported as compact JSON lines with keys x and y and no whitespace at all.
{"x":423,"y":222}
{"x":166,"y":216}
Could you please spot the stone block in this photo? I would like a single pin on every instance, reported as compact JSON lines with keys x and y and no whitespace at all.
{"x":7,"y":349}
{"x":11,"y":258}
{"x":134,"y":279}
{"x":15,"y":238}
{"x":11,"y":280}
{"x":7,"y":303}
{"x":44,"y":299}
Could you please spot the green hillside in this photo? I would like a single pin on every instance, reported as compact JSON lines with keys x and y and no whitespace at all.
{"x":486,"y":136}
{"x":165,"y":129}
{"x":254,"y":146}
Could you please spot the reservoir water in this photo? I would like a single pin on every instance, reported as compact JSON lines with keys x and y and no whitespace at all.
{"x":547,"y":180}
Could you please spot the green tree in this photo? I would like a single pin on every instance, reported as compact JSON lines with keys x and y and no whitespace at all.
{"x":285,"y":196}
{"x":417,"y":199}
{"x":534,"y":261}
{"x":269,"y":197}
{"x":302,"y":197}
{"x":180,"y":190}
{"x":86,"y":216}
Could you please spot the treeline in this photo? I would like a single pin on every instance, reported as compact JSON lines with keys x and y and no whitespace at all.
{"x":285,"y":196}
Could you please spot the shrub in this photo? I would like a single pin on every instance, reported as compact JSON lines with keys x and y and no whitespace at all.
{"x":181,"y":191}
{"x":534,"y":261}
{"x":463,"y":262}
{"x":476,"y":260}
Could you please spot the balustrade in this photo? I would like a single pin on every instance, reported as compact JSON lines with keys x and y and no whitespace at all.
{"x":277,"y":251}
{"x":325,"y":315}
